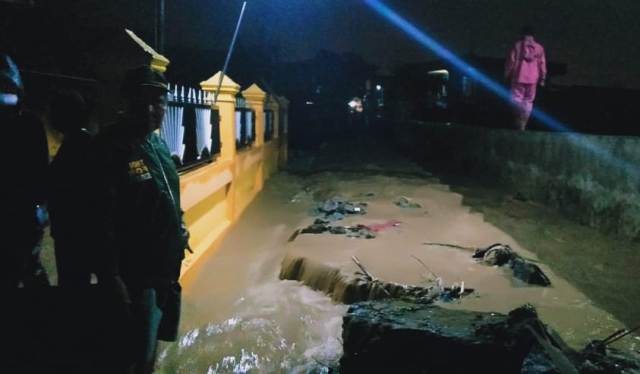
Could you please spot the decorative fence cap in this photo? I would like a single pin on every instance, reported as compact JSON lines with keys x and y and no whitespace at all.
{"x":228,"y":85}
{"x":182,"y":94}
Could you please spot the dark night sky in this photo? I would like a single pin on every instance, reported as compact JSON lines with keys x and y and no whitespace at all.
{"x":597,"y":38}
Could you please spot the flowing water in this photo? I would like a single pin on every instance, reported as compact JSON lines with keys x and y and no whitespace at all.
{"x":238,"y":317}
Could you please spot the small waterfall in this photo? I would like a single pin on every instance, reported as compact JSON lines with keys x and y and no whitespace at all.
{"x":317,"y":276}
{"x":349,"y":288}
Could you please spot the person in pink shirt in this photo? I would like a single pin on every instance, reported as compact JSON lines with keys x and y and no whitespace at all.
{"x":525,"y":68}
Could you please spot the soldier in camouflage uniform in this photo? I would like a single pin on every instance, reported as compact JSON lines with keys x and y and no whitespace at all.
{"x":141,"y":234}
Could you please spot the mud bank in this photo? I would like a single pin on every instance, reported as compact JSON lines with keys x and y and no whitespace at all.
{"x":595,"y":263}
{"x":591,"y":179}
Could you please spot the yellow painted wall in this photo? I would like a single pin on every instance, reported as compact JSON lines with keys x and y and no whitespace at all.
{"x":271,"y":156}
{"x":207,"y":203}
{"x":248,"y":171}
{"x":214,"y":196}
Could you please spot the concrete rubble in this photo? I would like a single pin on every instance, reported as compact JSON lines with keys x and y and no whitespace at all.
{"x":398,"y":336}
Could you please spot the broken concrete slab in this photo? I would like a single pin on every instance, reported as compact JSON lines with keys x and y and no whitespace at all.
{"x":397,"y":336}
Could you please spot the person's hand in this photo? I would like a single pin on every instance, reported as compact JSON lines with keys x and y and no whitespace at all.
{"x":543,"y":82}
{"x":185,"y":236}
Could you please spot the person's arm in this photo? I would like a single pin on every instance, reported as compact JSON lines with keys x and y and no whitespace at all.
{"x":39,"y":171}
{"x":36,"y":159}
{"x":184,"y":232}
{"x":103,"y":180}
{"x":542,"y":66}
{"x":510,"y":63}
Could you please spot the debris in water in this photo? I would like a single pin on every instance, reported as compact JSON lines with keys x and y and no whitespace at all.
{"x":434,"y":275}
{"x":360,"y":232}
{"x":367,"y":194}
{"x":618,"y":335}
{"x":405,"y":202}
{"x":351,"y":287}
{"x":378,"y":227}
{"x":495,"y":254}
{"x":451,"y":246}
{"x":335,"y":216}
{"x":294,"y":235}
{"x":338,"y":230}
{"x":364,"y":272}
{"x":502,"y":254}
{"x":377,"y":289}
{"x":321,"y":226}
{"x":316,"y":228}
{"x":337,"y":208}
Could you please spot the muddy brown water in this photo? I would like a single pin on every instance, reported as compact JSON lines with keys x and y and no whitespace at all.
{"x":238,"y":317}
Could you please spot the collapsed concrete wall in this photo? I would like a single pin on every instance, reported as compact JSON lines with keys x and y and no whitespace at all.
{"x":592,"y":179}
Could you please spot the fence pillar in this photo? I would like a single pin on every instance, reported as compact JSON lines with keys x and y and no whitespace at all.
{"x":226,"y":106}
{"x":272,"y":104}
{"x":284,"y":112}
{"x":284,"y":142}
{"x":255,"y":96}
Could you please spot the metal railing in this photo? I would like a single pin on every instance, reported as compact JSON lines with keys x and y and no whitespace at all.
{"x":268,"y":125}
{"x":245,"y":124}
{"x":190,"y":128}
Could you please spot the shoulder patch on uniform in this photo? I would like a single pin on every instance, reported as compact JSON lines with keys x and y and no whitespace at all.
{"x":138,"y":171}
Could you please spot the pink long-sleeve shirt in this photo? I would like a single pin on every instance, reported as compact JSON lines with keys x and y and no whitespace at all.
{"x":526,"y":62}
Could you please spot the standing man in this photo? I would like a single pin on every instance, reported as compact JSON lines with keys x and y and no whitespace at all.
{"x":140,"y":231}
{"x":69,"y":191}
{"x":525,"y":68}
{"x":25,"y":158}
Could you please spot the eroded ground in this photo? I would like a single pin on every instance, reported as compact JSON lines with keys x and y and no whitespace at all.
{"x":238,"y":316}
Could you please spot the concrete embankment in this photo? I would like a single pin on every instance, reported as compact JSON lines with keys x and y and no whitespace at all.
{"x":595,"y":180}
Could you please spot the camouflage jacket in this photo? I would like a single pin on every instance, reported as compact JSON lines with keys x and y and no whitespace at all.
{"x":139,"y":226}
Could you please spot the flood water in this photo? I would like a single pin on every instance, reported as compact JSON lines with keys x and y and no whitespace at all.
{"x":238,"y":317}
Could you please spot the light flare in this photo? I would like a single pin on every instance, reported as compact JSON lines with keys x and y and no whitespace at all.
{"x":496,"y":88}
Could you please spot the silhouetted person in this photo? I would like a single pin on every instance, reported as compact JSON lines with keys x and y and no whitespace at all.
{"x":69,"y":190}
{"x":25,"y":159}
{"x":139,"y":222}
{"x":525,"y":68}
